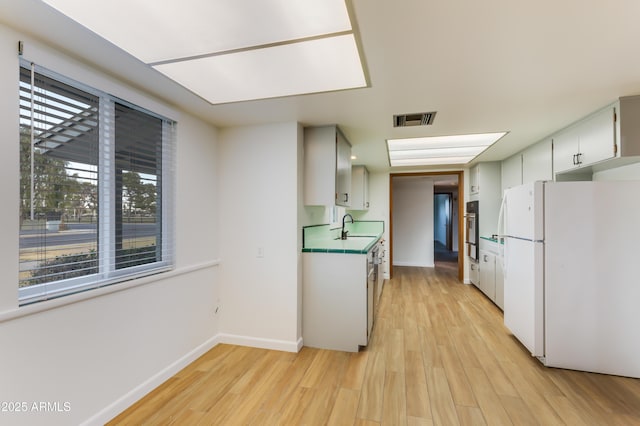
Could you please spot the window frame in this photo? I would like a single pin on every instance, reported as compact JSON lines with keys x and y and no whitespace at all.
{"x":107,"y":273}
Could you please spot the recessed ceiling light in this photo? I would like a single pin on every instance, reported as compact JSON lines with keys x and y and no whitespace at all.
{"x":438,"y":150}
{"x":229,"y":50}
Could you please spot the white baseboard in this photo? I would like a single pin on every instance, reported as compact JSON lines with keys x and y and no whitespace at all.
{"x":128,"y":399}
{"x":257,"y":342}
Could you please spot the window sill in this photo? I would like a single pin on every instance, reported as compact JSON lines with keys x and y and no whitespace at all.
{"x":102,"y":291}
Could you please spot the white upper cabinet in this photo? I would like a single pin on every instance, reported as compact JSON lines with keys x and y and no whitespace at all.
{"x":511,"y":172}
{"x":604,"y":140}
{"x":359,"y":188}
{"x":474,"y":180}
{"x":343,"y":170}
{"x":327,"y":167}
{"x":587,"y":142}
{"x":484,"y":177}
{"x":487,"y":183}
{"x":608,"y":138}
{"x":537,"y":161}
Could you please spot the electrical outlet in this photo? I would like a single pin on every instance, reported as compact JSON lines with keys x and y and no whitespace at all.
{"x":260,"y":252}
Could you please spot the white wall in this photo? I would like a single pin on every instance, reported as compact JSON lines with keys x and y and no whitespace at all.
{"x":102,"y":349}
{"x":259,"y":213}
{"x":9,"y":173}
{"x":413,"y":221}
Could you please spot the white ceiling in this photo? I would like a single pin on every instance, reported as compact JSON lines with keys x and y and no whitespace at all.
{"x":528,"y":68}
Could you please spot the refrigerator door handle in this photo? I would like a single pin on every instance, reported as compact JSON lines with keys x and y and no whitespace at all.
{"x":502,"y":227}
{"x":504,"y":259}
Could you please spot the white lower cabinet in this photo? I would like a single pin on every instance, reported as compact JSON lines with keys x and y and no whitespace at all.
{"x":474,"y":273}
{"x":336,"y":294}
{"x":488,"y":274}
{"x":491,"y":275}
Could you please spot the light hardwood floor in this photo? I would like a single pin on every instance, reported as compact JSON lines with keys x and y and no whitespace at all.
{"x":439,"y":355}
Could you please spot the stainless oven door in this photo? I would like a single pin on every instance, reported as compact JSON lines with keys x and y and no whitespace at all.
{"x":472,"y":235}
{"x":471,"y":228}
{"x":472,"y":251}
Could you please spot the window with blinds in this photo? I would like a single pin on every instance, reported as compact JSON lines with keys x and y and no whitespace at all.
{"x":138,"y":171}
{"x":95,"y":175}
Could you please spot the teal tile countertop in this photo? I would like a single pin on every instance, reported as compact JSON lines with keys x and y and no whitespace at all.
{"x":361,"y":238}
{"x":495,"y":240}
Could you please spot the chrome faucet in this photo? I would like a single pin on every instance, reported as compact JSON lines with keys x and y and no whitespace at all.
{"x":343,"y":235}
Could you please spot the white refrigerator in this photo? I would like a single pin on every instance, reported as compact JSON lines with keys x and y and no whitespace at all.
{"x":571,"y":283}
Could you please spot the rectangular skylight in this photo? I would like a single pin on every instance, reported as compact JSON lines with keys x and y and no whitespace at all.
{"x":221,"y":49}
{"x":439,"y":150}
{"x":312,"y":66}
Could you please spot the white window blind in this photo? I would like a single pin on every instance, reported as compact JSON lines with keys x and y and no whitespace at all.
{"x":95,"y":188}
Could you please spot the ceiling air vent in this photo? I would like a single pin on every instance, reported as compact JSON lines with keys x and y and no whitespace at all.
{"x":415,"y":119}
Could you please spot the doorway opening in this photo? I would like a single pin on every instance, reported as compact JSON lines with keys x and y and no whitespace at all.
{"x":448,"y":191}
{"x":445,"y":222}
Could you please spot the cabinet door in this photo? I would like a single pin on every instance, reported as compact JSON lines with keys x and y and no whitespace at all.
{"x":343,"y":171}
{"x":359,"y":188}
{"x":488,"y":274}
{"x":474,"y":184}
{"x":365,"y":201}
{"x":320,"y":166}
{"x":474,"y":275}
{"x":597,"y":137}
{"x":566,"y":146}
{"x":512,"y":172}
{"x":537,"y":162}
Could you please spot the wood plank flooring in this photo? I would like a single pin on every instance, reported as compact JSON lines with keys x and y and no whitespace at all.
{"x":439,"y":355}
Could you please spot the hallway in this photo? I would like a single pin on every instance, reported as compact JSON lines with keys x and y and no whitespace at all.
{"x":439,"y":355}
{"x":444,"y":260}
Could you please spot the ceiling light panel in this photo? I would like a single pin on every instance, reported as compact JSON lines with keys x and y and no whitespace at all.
{"x":477,"y":139}
{"x":432,"y":161}
{"x":437,"y":150}
{"x":155,"y":31}
{"x":313,"y":66}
